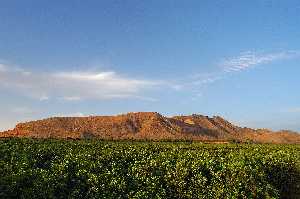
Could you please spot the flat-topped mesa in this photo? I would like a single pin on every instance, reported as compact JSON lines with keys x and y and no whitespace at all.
{"x":147,"y":125}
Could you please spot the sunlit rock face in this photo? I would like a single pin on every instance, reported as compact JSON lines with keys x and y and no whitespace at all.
{"x":148,"y":126}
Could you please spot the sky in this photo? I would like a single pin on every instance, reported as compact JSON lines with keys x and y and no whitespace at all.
{"x":236,"y":59}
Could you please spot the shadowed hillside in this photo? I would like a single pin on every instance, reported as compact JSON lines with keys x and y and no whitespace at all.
{"x":148,"y":125}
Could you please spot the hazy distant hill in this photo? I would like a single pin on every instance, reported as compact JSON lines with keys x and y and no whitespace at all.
{"x":148,"y":125}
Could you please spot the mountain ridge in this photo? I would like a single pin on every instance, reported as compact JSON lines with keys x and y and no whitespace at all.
{"x":150,"y":126}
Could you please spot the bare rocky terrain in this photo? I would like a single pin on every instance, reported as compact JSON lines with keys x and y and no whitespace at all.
{"x":149,"y":126}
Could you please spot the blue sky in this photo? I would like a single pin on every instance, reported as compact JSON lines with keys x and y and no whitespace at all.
{"x":237,"y":59}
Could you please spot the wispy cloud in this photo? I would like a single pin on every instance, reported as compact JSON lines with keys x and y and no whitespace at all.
{"x":250,"y":59}
{"x":43,"y":98}
{"x":73,"y":85}
{"x":80,"y":85}
{"x":2,"y":68}
{"x":227,"y":66}
{"x":71,"y":98}
{"x":292,"y":110}
{"x":206,"y":78}
{"x":242,"y":62}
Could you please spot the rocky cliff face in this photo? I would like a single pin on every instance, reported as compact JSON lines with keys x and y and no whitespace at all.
{"x":147,"y":125}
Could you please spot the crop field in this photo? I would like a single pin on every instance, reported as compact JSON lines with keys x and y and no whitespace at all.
{"x":123,"y":169}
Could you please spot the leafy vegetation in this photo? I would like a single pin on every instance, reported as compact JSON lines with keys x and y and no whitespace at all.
{"x":102,"y":169}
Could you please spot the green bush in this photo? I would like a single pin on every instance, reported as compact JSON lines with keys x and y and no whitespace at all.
{"x":105,"y":169}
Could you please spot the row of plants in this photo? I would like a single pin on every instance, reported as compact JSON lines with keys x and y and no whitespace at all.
{"x":101,"y":169}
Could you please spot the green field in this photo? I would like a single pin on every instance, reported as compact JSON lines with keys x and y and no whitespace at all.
{"x":106,"y":169}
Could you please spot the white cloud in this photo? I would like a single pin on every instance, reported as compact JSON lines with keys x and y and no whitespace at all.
{"x":196,"y":82}
{"x":2,"y":68}
{"x":44,"y":98}
{"x":206,"y":78}
{"x":250,"y":59}
{"x":197,"y":96}
{"x":84,"y":76}
{"x":176,"y":87}
{"x":80,"y":85}
{"x":71,"y":98}
{"x":292,"y":110}
{"x":73,"y":85}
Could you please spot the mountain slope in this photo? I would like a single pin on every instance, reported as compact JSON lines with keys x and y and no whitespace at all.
{"x":148,"y":125}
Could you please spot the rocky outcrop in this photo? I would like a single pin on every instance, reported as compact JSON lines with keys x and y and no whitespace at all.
{"x":150,"y":126}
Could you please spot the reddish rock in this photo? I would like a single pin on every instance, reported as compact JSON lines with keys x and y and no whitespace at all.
{"x":148,"y":125}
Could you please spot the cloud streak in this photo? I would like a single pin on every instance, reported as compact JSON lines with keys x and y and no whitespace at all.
{"x":206,"y":78}
{"x":243,"y":62}
{"x":236,"y":64}
{"x":73,"y":85}
{"x":2,"y":68}
{"x":250,"y":59}
{"x":292,"y":110}
{"x":80,"y":85}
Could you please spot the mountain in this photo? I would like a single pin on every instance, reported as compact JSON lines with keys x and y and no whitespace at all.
{"x":150,"y":126}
